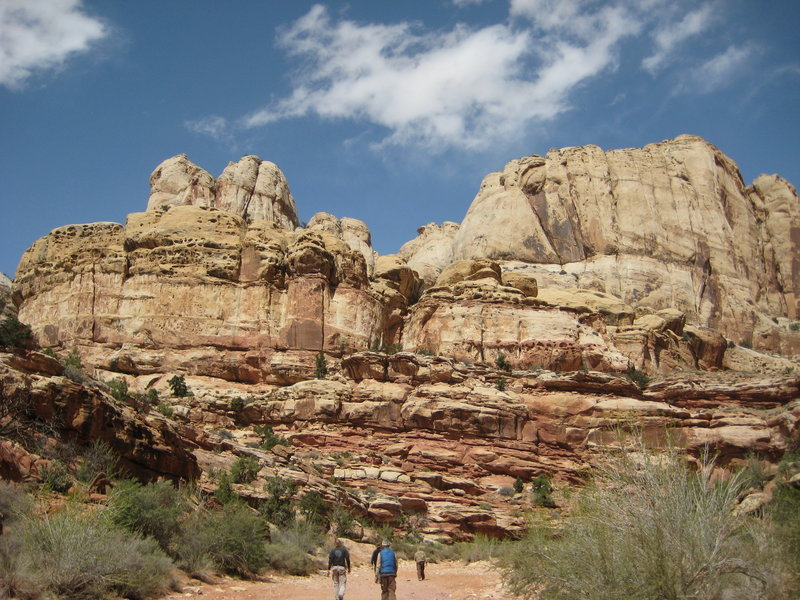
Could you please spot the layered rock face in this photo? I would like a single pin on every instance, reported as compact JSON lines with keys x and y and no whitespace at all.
{"x":204,"y":290}
{"x":670,"y":225}
{"x":251,"y":188}
{"x":501,"y":339}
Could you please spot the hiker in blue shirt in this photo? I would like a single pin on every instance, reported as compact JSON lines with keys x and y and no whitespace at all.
{"x":386,"y":569}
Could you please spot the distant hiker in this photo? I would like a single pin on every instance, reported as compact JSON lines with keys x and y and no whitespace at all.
{"x":419,"y":558}
{"x":374,"y":560}
{"x":386,"y":568}
{"x":338,"y":568}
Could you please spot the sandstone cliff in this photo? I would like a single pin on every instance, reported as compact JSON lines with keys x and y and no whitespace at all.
{"x":670,"y":225}
{"x":500,"y":341}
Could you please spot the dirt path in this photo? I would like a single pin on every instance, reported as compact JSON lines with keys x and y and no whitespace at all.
{"x":444,"y":581}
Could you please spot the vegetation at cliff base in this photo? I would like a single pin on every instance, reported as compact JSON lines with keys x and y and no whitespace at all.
{"x":651,"y":528}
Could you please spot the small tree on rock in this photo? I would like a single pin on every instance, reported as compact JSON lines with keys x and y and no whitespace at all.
{"x":177,"y":383}
{"x":322,"y":365}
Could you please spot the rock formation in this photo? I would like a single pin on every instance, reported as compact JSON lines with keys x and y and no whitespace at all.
{"x":496,"y":347}
{"x":670,"y":225}
{"x":251,"y":188}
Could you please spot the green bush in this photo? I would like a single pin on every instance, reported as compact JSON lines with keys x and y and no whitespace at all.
{"x":233,"y":539}
{"x":14,"y":334}
{"x":269,"y":438}
{"x":640,"y":378}
{"x":500,"y":385}
{"x":542,"y":490}
{"x":519,"y":485}
{"x":245,"y":469}
{"x":322,"y":366}
{"x":279,"y":506}
{"x":98,"y":458}
{"x":165,"y":409}
{"x":289,"y":549}
{"x":73,"y":556}
{"x":502,"y":362}
{"x":119,"y":389}
{"x":177,"y":383}
{"x":237,"y":404}
{"x":650,"y":529}
{"x":312,"y":507}
{"x":224,"y":492}
{"x":56,"y":476}
{"x":152,"y":510}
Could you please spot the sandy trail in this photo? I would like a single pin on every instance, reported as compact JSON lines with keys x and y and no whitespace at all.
{"x":444,"y":581}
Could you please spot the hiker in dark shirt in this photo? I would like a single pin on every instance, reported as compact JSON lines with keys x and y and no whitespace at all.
{"x":338,"y":568}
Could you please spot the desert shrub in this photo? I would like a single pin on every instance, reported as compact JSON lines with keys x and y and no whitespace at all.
{"x":56,"y":476}
{"x":14,"y":502}
{"x":795,"y":326}
{"x":341,"y":521}
{"x":14,"y":334}
{"x":650,"y":528}
{"x":753,"y":473}
{"x":245,"y":469}
{"x":152,"y":396}
{"x":237,"y":404}
{"x":506,"y":491}
{"x":224,"y":492}
{"x":502,"y":362}
{"x":279,"y":506}
{"x":289,"y":559}
{"x":73,"y":367}
{"x":518,"y":485}
{"x":98,"y":458}
{"x":119,"y":389}
{"x":152,"y":510}
{"x":321,"y":366}
{"x":480,"y":548}
{"x":784,"y":513}
{"x":73,"y":556}
{"x":500,"y":385}
{"x":224,"y":434}
{"x":269,"y":438}
{"x":312,"y":507}
{"x":395,"y":348}
{"x":177,"y":383}
{"x":640,"y":378}
{"x":165,"y":409}
{"x":232,"y":538}
{"x":746,"y":344}
{"x":542,"y":490}
{"x":306,"y":535}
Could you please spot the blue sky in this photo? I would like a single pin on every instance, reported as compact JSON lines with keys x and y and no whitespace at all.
{"x":388,"y":111}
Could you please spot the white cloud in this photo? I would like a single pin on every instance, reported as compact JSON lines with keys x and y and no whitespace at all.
{"x":37,"y":35}
{"x":669,"y":36}
{"x":212,"y":126}
{"x":720,"y":70}
{"x":464,"y":88}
